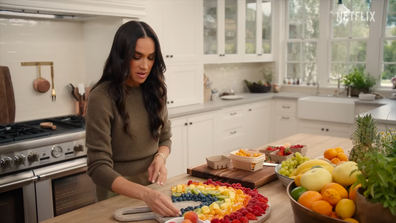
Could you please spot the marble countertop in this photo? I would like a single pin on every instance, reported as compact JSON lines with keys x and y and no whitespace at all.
{"x":384,"y":110}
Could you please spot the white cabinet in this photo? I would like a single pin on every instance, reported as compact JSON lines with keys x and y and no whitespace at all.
{"x":382,"y":127}
{"x":178,"y":25}
{"x":237,"y":31}
{"x":184,"y":84}
{"x":258,"y":124}
{"x":286,"y":121}
{"x":326,"y":128}
{"x":121,"y":8}
{"x":194,"y":139}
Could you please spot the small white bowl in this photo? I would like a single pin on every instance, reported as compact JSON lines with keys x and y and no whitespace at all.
{"x":367,"y":97}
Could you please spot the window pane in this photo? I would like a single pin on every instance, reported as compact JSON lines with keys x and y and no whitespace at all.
{"x":390,"y":25}
{"x":361,"y":5}
{"x":357,"y":51}
{"x":389,"y":72}
{"x":295,"y":9}
{"x":360,"y":28}
{"x":347,"y":3}
{"x":210,"y":27}
{"x":311,"y":8}
{"x":293,"y":52}
{"x":266,"y":10}
{"x":309,"y":51}
{"x":338,"y":70}
{"x":311,"y":28}
{"x":310,"y":72}
{"x":357,"y":66}
{"x":341,"y":28}
{"x":392,"y":6}
{"x":339,"y":51}
{"x":390,"y":51}
{"x":293,"y":70}
{"x":231,"y":17}
{"x":295,"y":28}
{"x":251,"y":20}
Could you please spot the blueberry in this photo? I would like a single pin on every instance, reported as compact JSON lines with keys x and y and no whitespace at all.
{"x":179,"y":199}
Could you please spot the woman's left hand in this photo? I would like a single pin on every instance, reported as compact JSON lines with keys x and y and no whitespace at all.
{"x":157,"y":171}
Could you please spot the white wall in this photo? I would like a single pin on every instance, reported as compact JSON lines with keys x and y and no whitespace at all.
{"x":24,"y":40}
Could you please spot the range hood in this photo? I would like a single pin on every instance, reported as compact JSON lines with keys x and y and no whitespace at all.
{"x":73,"y":10}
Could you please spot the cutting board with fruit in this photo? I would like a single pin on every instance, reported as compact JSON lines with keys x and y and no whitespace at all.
{"x":245,"y":178}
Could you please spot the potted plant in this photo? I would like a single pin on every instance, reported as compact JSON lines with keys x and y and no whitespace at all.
{"x":376,"y":198}
{"x":357,"y":81}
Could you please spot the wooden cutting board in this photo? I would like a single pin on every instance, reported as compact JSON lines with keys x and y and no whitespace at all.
{"x":230,"y":175}
{"x":7,"y":102}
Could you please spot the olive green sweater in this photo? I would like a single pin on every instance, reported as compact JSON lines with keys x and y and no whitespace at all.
{"x":111,"y":151}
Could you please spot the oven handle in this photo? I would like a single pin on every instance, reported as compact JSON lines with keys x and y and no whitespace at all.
{"x":61,"y":171}
{"x":30,"y":179}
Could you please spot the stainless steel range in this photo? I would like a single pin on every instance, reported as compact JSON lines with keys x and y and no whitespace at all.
{"x":43,"y":170}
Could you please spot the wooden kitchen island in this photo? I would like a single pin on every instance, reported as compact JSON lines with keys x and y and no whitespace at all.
{"x":275,"y":191}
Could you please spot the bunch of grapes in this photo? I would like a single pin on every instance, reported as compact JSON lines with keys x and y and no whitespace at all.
{"x":289,"y":165}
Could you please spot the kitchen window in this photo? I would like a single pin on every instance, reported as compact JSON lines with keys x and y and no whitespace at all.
{"x":349,"y":37}
{"x":302,"y":39}
{"x":388,"y":44}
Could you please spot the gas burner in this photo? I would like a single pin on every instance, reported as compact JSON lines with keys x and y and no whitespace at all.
{"x":20,"y":132}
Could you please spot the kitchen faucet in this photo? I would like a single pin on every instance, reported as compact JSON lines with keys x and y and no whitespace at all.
{"x":338,"y":92}
{"x":317,"y":87}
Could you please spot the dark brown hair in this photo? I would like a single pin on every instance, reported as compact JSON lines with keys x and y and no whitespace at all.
{"x":117,"y":72}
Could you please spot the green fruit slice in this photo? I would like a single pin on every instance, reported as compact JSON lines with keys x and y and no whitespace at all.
{"x":176,"y":194}
{"x":296,"y":192}
{"x":196,"y":191}
{"x":222,"y":196}
{"x":214,"y":192}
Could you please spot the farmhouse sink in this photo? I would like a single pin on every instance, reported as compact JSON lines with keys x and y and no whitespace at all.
{"x":330,"y":109}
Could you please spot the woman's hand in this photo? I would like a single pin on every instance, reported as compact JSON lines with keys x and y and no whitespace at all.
{"x":157,"y":171}
{"x":161,"y":204}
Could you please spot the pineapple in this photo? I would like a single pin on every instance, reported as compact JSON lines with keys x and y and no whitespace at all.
{"x":364,"y":138}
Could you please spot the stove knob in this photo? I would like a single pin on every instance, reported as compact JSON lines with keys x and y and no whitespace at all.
{"x":33,"y":156}
{"x":19,"y":159}
{"x":6,"y":162}
{"x":78,"y":147}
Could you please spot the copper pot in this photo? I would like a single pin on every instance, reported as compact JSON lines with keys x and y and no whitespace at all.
{"x":41,"y":84}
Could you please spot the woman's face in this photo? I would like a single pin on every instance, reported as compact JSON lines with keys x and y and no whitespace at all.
{"x":142,"y":62}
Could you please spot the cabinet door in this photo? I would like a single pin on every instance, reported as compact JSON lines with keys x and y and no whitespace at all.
{"x":177,"y":161}
{"x":315,"y":129}
{"x":183,"y":24}
{"x":201,"y":138}
{"x":258,"y":124}
{"x":154,"y":14}
{"x":285,"y":125}
{"x":232,"y":136}
{"x":185,"y":84}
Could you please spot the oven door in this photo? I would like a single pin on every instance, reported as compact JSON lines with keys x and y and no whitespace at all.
{"x":17,"y":198}
{"x":62,"y":188}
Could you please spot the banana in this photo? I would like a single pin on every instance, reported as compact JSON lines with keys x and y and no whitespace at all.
{"x":304,"y":170}
{"x":309,"y":164}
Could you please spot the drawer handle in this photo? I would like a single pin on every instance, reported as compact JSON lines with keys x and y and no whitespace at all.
{"x":327,"y":130}
{"x":234,"y":113}
{"x":285,"y":106}
{"x":285,"y":117}
{"x":233,"y":132}
{"x":322,"y":129}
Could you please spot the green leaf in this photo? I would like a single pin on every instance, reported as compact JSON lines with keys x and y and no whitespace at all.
{"x":383,"y":177}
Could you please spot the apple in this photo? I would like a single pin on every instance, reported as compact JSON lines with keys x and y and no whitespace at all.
{"x":341,"y":173}
{"x":192,"y":216}
{"x":315,"y":179}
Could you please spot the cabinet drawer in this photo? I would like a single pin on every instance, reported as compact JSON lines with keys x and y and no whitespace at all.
{"x":232,"y":131}
{"x":233,"y":113}
{"x":286,"y":107}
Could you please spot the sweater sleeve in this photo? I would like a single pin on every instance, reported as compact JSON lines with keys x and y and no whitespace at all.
{"x":166,"y":133}
{"x":99,"y":117}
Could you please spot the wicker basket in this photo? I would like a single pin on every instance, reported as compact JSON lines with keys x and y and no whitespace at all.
{"x":279,"y":159}
{"x":248,"y":163}
{"x":303,"y":150}
{"x":218,"y":162}
{"x":267,"y":152}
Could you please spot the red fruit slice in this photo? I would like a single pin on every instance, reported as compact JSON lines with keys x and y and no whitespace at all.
{"x":259,"y":209}
{"x":251,"y":216}
{"x":236,"y":221}
{"x":244,"y":220}
{"x":257,"y":213}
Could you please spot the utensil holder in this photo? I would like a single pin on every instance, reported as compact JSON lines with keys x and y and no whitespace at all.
{"x":81,"y":108}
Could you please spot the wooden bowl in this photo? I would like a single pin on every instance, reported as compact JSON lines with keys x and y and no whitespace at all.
{"x":305,"y":215}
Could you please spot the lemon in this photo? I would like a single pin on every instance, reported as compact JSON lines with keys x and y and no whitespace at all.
{"x":350,"y":220}
{"x":345,"y":208}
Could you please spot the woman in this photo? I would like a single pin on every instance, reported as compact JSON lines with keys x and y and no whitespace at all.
{"x":127,"y":128}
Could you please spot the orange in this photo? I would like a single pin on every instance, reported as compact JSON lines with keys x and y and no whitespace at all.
{"x":334,"y":215}
{"x":308,"y":198}
{"x":352,"y":192}
{"x":330,"y":154}
{"x":351,"y":220}
{"x":332,"y":196}
{"x":335,"y":160}
{"x":345,"y":208}
{"x":338,"y":187}
{"x":322,"y":207}
{"x":297,"y":180}
{"x":342,"y":156}
{"x":339,"y":150}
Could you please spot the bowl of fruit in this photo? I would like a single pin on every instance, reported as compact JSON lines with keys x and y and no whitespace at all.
{"x":259,"y":87}
{"x":289,"y":169}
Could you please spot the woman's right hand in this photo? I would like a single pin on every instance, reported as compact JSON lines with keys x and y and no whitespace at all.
{"x":161,"y":204}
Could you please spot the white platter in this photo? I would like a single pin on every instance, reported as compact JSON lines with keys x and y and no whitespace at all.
{"x":231,"y":97}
